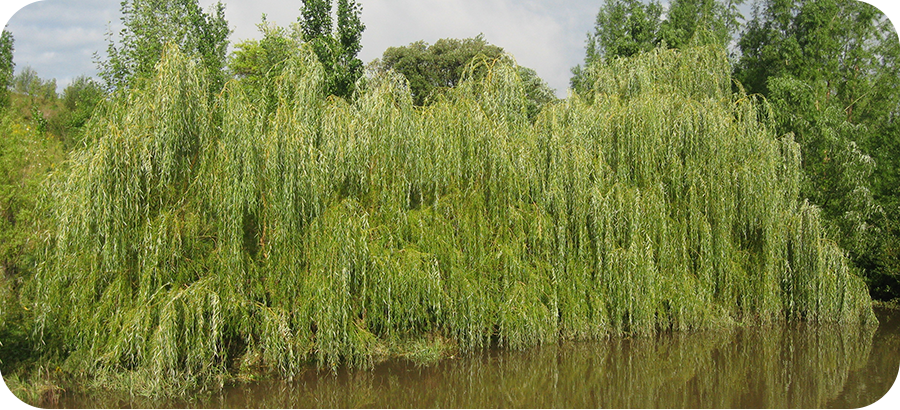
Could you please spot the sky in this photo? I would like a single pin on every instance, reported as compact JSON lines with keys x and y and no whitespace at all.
{"x":58,"y":38}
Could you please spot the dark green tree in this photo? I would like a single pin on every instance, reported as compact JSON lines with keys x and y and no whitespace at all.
{"x":881,"y":107}
{"x":712,"y":20}
{"x":335,"y":47}
{"x":623,"y":28}
{"x":433,"y":69}
{"x":830,"y":69}
{"x":6,"y":67}
{"x":82,"y":94}
{"x":537,"y":93}
{"x":827,"y":40}
{"x":436,"y":67}
{"x":149,"y":25}
{"x":79,"y":99}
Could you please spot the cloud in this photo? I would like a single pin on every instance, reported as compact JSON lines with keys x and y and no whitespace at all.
{"x":58,"y":37}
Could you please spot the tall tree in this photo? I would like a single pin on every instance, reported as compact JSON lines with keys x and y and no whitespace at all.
{"x":830,"y":69}
{"x":622,"y":28}
{"x":254,"y":60}
{"x":79,"y":98}
{"x":149,"y":25}
{"x":713,"y":20}
{"x":335,"y":47}
{"x":258,"y":63}
{"x":827,"y":40}
{"x":627,"y":27}
{"x":537,"y":93}
{"x":6,"y":67}
{"x":29,"y":83}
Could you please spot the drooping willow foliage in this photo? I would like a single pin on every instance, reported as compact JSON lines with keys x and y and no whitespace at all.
{"x":191,"y":239}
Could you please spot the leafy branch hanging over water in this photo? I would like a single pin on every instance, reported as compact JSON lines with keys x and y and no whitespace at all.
{"x":192,"y":240}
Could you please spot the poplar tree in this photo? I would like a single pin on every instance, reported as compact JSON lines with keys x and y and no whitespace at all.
{"x":627,"y":27}
{"x":335,"y":47}
{"x":712,"y":21}
{"x":622,"y":28}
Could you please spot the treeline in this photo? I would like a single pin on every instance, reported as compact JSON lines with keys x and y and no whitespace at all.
{"x":221,"y":214}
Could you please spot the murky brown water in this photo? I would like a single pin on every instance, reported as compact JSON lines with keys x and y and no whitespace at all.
{"x":771,"y":366}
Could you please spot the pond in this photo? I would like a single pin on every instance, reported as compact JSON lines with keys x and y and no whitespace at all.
{"x":781,"y":366}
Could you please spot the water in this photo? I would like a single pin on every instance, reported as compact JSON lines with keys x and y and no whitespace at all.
{"x":782,"y":366}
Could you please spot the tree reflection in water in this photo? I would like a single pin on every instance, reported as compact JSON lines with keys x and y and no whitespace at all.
{"x":778,"y":365}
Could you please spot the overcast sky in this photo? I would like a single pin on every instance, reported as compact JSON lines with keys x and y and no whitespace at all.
{"x":59,"y":37}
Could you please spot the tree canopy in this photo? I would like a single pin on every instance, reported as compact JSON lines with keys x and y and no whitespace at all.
{"x":150,"y":25}
{"x":714,"y":21}
{"x":29,"y":83}
{"x":830,"y":69}
{"x":434,"y":69}
{"x":336,"y":46}
{"x":624,"y":28}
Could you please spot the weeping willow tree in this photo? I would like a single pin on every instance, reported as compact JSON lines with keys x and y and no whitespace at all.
{"x":195,"y":240}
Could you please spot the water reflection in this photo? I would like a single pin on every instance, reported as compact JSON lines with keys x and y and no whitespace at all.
{"x":770,"y":366}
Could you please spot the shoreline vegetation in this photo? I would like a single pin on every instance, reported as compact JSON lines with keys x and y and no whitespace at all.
{"x":196,"y":241}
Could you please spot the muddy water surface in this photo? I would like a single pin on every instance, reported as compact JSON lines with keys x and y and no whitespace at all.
{"x":783,"y":366}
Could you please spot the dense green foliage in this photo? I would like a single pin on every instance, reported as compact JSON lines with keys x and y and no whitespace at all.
{"x":149,"y":25}
{"x":439,"y":66}
{"x":624,"y":28}
{"x":715,"y":20}
{"x":433,"y":69}
{"x":255,"y":61}
{"x":336,"y":47}
{"x":847,"y":44}
{"x":256,"y":64}
{"x":79,"y":99}
{"x":324,"y":230}
{"x":831,"y":70}
{"x":6,"y":67}
{"x":26,"y":156}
